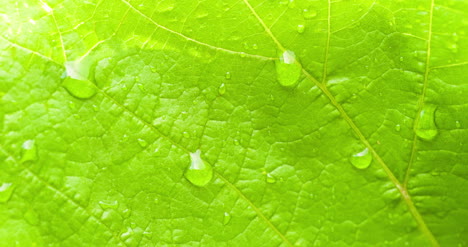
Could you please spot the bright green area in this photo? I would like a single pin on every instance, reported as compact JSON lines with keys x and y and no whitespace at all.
{"x":318,"y":123}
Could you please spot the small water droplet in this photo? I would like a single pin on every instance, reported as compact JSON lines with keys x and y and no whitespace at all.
{"x":398,"y":127}
{"x":108,"y":204}
{"x":199,"y":173}
{"x":227,"y":75}
{"x":457,"y":124}
{"x":391,"y":194}
{"x":270,"y":178}
{"x":227,"y":218}
{"x":71,"y":105}
{"x":288,"y":69}
{"x":426,"y":128}
{"x":236,"y":142}
{"x":81,"y":89}
{"x":222,"y":89}
{"x":143,"y":143}
{"x":186,"y":134}
{"x":300,"y":28}
{"x":29,"y":151}
{"x":95,"y":108}
{"x":242,"y":54}
{"x":148,"y":234}
{"x":141,"y":87}
{"x":309,"y":14}
{"x":361,"y":160}
{"x":6,"y":190}
{"x":255,"y":46}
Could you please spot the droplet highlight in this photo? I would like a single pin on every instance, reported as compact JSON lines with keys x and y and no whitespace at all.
{"x":426,"y":128}
{"x":398,"y":127}
{"x":81,"y":89}
{"x":288,"y":69}
{"x":199,"y":173}
{"x":29,"y":151}
{"x":361,"y":160}
{"x":227,"y":75}
{"x":6,"y":190}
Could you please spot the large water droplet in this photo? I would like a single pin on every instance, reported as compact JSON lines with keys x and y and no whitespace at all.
{"x":227,"y":218}
{"x":5,"y":192}
{"x":199,"y":173}
{"x":222,"y":89}
{"x":288,"y":69}
{"x":361,"y":160}
{"x":108,"y":204}
{"x":82,"y":89}
{"x":29,"y":151}
{"x":426,"y":128}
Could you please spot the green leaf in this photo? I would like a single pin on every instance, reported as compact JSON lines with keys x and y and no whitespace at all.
{"x":318,"y":123}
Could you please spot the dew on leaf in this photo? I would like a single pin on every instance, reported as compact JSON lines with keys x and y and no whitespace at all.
{"x":255,"y":46}
{"x":361,"y":160}
{"x":227,"y":75}
{"x":457,"y":124}
{"x":398,"y":127}
{"x":6,"y":190}
{"x":300,"y":28}
{"x":270,"y":178}
{"x":426,"y":128}
{"x":143,"y":143}
{"x":29,"y":151}
{"x":186,"y":134}
{"x":81,"y":89}
{"x":141,"y":87}
{"x":288,"y":69}
{"x":227,"y":218}
{"x":108,"y":204}
{"x":309,"y":14}
{"x":391,"y":194}
{"x":199,"y":172}
{"x":222,"y":89}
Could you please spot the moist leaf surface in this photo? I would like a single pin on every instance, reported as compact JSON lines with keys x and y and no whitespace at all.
{"x":103,"y":101}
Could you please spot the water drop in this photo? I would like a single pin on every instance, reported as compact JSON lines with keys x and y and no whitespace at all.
{"x":288,"y":69}
{"x":141,"y":87}
{"x":300,"y":28}
{"x":95,"y":108}
{"x":457,"y":123}
{"x":71,"y":105}
{"x":199,"y":173}
{"x":148,"y":234}
{"x":186,"y":134}
{"x":81,"y":89}
{"x":222,"y":89}
{"x":255,"y":46}
{"x":143,"y":143}
{"x":397,"y":127}
{"x":236,"y":142}
{"x":391,"y":194}
{"x":242,"y":54}
{"x":29,"y":151}
{"x":5,"y":192}
{"x":228,"y":75}
{"x":309,"y":14}
{"x":270,"y":178}
{"x":108,"y":204}
{"x":227,"y":218}
{"x":361,"y":160}
{"x":426,"y":128}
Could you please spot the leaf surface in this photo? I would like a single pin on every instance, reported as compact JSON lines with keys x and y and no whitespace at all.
{"x":103,"y":104}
